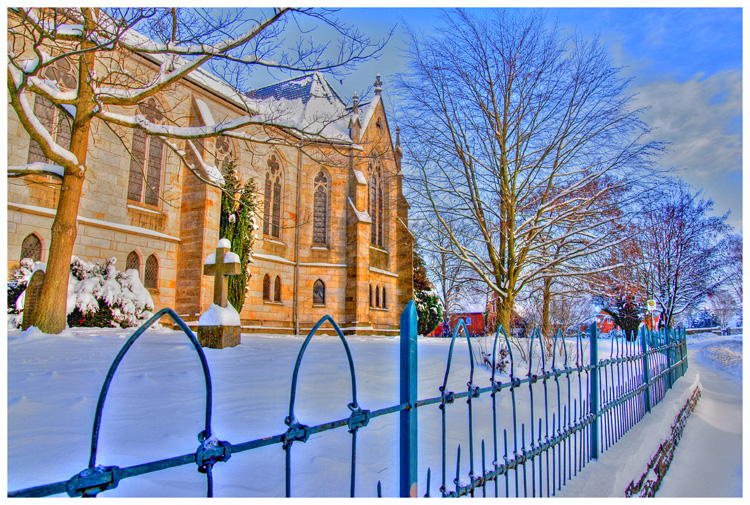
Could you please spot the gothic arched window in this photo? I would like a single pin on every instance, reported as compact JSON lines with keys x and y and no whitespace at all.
{"x":31,"y":248}
{"x":272,"y":204}
{"x":267,"y":287}
{"x":377,"y":296}
{"x":147,"y":156}
{"x":319,"y":293}
{"x":55,"y":120}
{"x":320,"y":208}
{"x":376,"y":196}
{"x":384,"y":304}
{"x":370,"y":295}
{"x":277,"y":289}
{"x":134,"y":262}
{"x":151,"y":273}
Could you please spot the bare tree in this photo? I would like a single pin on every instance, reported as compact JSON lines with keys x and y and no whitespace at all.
{"x":733,"y":265}
{"x":682,"y":251}
{"x":522,"y":136}
{"x":80,"y":61}
{"x":723,"y":305}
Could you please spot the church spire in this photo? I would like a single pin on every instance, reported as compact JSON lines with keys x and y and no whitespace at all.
{"x":354,"y":125}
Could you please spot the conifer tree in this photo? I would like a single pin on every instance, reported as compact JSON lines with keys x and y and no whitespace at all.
{"x":237,"y":224}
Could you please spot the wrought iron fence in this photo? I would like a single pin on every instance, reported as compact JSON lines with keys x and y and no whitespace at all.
{"x":577,"y":408}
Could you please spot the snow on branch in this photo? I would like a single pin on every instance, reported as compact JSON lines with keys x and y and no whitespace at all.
{"x":36,"y":168}
{"x":42,"y":132}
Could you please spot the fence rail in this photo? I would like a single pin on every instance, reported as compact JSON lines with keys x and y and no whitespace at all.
{"x":580,"y":409}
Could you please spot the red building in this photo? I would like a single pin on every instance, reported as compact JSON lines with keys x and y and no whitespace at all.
{"x":474,"y":323}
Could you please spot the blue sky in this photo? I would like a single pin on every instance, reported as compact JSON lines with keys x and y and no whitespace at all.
{"x":686,"y":65}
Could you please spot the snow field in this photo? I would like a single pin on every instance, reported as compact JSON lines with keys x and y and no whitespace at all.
{"x":155,"y":410}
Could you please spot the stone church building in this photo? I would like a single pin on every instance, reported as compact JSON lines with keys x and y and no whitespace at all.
{"x":332,"y":219}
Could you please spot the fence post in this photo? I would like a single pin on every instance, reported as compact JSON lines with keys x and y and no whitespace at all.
{"x":668,"y":341}
{"x":644,"y":350}
{"x":683,"y":352}
{"x":408,"y":421}
{"x":594,"y":393}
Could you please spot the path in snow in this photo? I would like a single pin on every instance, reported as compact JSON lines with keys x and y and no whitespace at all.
{"x":708,"y":460}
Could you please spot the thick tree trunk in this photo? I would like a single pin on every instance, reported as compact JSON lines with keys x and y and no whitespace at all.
{"x":50,"y":315}
{"x":51,"y":312}
{"x":504,"y":311}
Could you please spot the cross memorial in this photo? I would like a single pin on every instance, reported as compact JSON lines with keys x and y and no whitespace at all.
{"x":220,"y":271}
{"x":219,"y":326}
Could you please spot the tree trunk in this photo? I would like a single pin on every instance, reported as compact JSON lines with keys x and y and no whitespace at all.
{"x":546,"y":299}
{"x":51,"y":312}
{"x":50,"y":315}
{"x":504,"y":311}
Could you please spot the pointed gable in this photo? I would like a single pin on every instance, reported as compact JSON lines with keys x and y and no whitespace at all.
{"x":307,"y":103}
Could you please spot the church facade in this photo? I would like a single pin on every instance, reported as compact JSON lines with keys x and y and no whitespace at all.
{"x":332,"y":220}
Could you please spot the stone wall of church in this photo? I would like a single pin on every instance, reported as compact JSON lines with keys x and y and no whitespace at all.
{"x":183,"y":229}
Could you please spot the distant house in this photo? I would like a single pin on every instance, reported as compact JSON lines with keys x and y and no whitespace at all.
{"x":604,"y":323}
{"x":474,"y":323}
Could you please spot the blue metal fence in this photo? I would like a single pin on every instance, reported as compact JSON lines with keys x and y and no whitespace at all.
{"x":577,"y":408}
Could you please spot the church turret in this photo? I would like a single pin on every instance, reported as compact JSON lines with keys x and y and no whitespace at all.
{"x":355,"y":126}
{"x":378,"y":85}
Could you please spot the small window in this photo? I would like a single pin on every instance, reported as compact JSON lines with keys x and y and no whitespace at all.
{"x":277,"y":289}
{"x":319,"y":293}
{"x":151,"y":275}
{"x":384,"y":304}
{"x":267,"y":288}
{"x":31,"y":248}
{"x":468,"y":321}
{"x":370,"y":295}
{"x":133,"y":262}
{"x":377,"y":296}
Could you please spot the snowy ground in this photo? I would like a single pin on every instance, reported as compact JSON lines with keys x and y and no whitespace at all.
{"x":155,"y":410}
{"x":708,"y":459}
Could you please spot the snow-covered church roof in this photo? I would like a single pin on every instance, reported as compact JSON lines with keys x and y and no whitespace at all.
{"x":309,"y":104}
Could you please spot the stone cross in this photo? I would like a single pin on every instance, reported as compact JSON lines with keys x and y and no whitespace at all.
{"x":220,"y":270}
{"x":31,"y":299}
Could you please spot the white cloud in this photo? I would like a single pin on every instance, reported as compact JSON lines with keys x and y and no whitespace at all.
{"x":702,"y":119}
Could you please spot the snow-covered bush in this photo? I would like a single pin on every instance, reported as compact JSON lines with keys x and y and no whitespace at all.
{"x":429,"y":310}
{"x":99,"y":295}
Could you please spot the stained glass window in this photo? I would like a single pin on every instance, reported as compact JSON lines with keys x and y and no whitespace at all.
{"x":133,"y":262}
{"x":147,"y":156}
{"x":377,"y":205}
{"x":272,"y":204}
{"x":320,"y":208}
{"x":31,"y":248}
{"x":277,"y":289}
{"x":319,"y":293}
{"x":151,"y":273}
{"x":267,"y":287}
{"x":54,"y":119}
